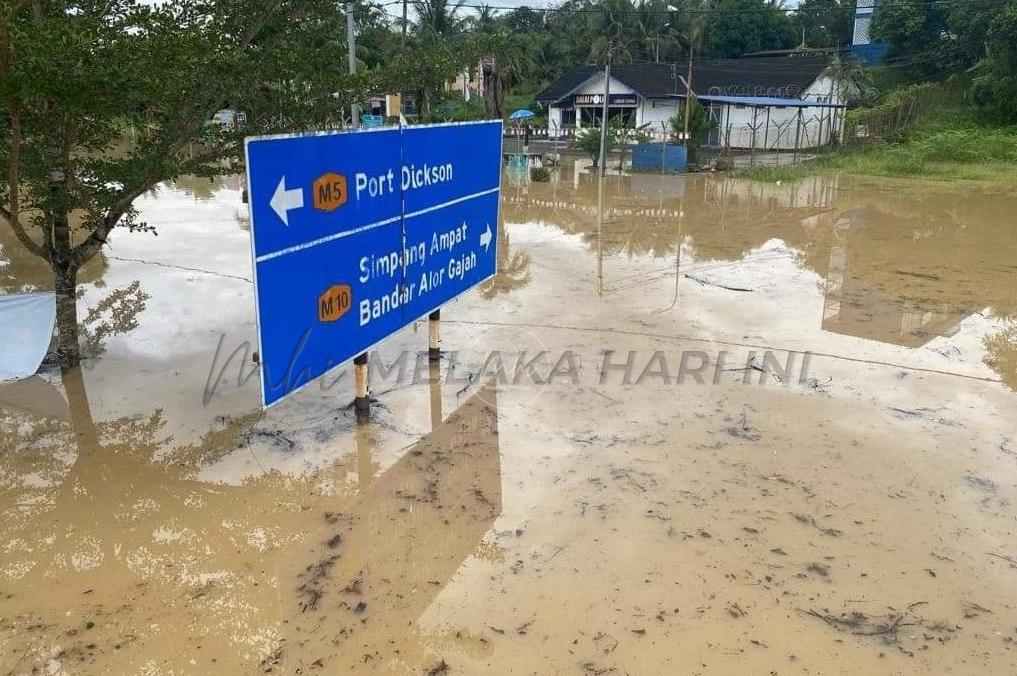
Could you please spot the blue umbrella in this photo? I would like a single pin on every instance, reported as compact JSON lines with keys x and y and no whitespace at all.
{"x":521,"y":114}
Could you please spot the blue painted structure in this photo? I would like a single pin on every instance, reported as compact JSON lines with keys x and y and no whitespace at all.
{"x":358,"y":234}
{"x":660,"y":156}
{"x":862,"y":46}
{"x":869,"y":54}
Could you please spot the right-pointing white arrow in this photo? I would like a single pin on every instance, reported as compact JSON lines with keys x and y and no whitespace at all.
{"x":485,"y":237}
{"x":283,"y":200}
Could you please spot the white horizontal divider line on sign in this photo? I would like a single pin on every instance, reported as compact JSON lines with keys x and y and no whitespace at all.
{"x":370,"y":226}
{"x":325,"y":239}
{"x":457,"y":200}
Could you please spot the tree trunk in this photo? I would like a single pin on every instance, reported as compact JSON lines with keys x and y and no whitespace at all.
{"x":490,"y":105}
{"x":499,"y":93}
{"x":66,"y":285}
{"x":65,"y":273}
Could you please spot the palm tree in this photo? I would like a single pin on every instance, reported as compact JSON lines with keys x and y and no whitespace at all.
{"x":614,"y":28}
{"x":485,"y":21}
{"x":510,"y":65}
{"x":438,"y":18}
{"x":513,"y":269}
{"x":658,"y":27}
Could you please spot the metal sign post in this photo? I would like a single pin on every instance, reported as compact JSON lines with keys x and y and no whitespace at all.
{"x":434,"y":336}
{"x":356,"y":235}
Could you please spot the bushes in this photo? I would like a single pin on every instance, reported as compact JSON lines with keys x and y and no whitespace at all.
{"x":700,"y":123}
{"x":540,"y":174}
{"x":995,"y":96}
{"x":971,"y":145}
{"x":987,"y":154}
{"x":894,"y":115}
{"x":589,"y":141}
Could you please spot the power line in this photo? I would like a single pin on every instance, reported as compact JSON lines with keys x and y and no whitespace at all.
{"x":677,"y":11}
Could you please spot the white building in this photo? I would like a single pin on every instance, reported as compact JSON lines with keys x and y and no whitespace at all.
{"x":775,"y":102}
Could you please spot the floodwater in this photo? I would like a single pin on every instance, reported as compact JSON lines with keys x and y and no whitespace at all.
{"x":837,"y":496}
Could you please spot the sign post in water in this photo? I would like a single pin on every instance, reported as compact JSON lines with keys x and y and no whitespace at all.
{"x":356,"y":235}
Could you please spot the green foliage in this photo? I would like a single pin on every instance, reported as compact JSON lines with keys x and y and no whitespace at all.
{"x":589,"y":140}
{"x":994,"y":89}
{"x":938,"y":37}
{"x":737,"y":27}
{"x":540,"y":174}
{"x":826,"y":23}
{"x":700,"y":123}
{"x":971,"y":153}
{"x":894,"y":115}
{"x":437,"y":19}
{"x":76,"y":77}
{"x":104,"y":100}
{"x":916,"y":32}
{"x":996,"y":96}
{"x":778,"y":174}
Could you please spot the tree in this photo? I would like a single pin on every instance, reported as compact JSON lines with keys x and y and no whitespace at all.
{"x":915,"y":32}
{"x":77,"y":77}
{"x":700,"y":123}
{"x":613,"y":29}
{"x":507,"y":63}
{"x":589,"y":141}
{"x":937,"y":37}
{"x":826,"y":23}
{"x":737,"y":27}
{"x":438,"y":18}
{"x":987,"y":33}
{"x":658,"y":31}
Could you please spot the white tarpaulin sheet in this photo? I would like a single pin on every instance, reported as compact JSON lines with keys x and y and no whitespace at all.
{"x":26,"y":328}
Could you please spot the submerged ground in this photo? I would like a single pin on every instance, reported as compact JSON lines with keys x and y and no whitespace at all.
{"x":801,"y":457}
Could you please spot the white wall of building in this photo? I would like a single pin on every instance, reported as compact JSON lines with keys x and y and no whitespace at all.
{"x":553,"y":120}
{"x":741,"y":127}
{"x":777,"y":128}
{"x":595,"y":85}
{"x":653,"y":112}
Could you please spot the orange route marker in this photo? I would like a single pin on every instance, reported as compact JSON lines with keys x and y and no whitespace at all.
{"x":330,"y":191}
{"x":334,"y":303}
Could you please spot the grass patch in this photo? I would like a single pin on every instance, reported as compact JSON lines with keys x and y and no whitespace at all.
{"x":785,"y":174}
{"x":966,"y":153}
{"x":944,"y":141}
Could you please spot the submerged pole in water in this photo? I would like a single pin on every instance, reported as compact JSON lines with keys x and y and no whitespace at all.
{"x":434,"y":336}
{"x":362,"y":402}
{"x":602,"y":160}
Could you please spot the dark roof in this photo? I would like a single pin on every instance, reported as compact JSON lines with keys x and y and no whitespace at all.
{"x":787,"y":76}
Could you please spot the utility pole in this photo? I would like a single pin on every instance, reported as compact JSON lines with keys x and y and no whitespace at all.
{"x":604,"y":111}
{"x":402,"y":43}
{"x":351,"y":41}
{"x":688,"y":94}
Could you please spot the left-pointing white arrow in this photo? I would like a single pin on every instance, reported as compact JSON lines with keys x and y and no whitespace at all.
{"x":283,"y":200}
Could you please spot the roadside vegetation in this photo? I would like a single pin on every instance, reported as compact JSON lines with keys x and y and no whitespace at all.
{"x":942,"y":103}
{"x":923,"y":131}
{"x":102,"y":101}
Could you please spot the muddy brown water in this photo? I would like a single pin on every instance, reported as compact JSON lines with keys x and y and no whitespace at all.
{"x":853,"y":513}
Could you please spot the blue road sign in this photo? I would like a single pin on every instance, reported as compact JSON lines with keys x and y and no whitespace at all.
{"x":358,"y":234}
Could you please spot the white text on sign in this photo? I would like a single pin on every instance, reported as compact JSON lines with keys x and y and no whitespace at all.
{"x":412,"y":177}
